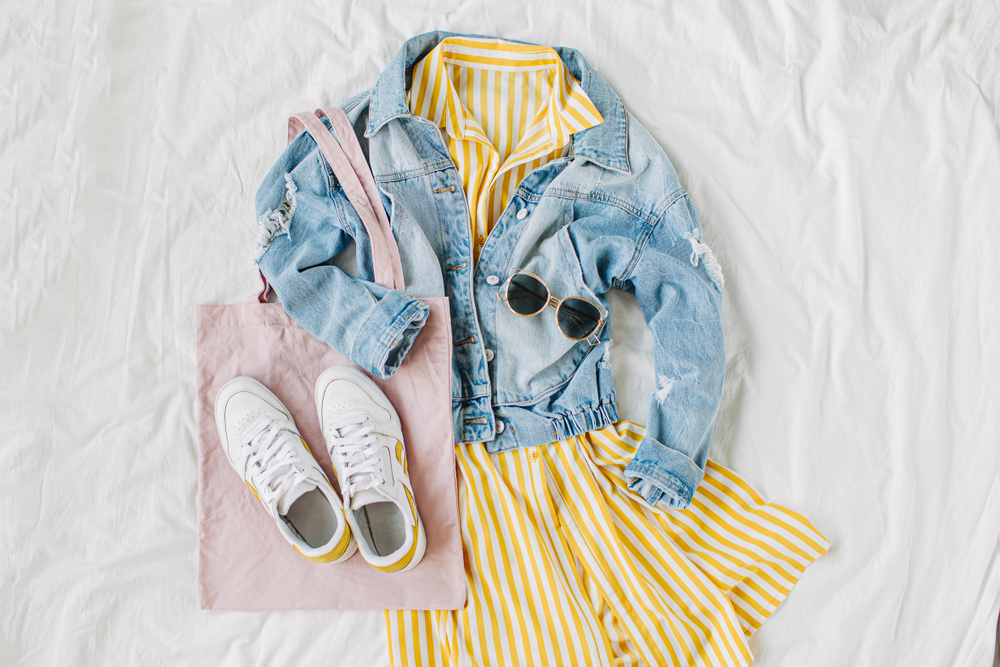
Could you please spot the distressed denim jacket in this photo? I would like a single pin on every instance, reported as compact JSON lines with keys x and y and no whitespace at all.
{"x":610,"y":214}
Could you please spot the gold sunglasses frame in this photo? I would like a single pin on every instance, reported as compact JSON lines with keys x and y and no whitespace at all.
{"x":593,"y":338}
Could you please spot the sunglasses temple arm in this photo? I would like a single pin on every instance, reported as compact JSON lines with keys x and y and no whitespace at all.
{"x":594,"y":338}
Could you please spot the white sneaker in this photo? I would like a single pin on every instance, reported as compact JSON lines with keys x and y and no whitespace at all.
{"x":365,"y":440}
{"x":265,"y":448}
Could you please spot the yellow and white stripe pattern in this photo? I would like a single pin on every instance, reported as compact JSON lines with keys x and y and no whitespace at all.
{"x":566,"y":566}
{"x":506,"y":109}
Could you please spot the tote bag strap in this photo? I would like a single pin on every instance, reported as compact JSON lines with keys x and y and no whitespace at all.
{"x":342,"y":128}
{"x":359,"y":186}
{"x":265,"y":289}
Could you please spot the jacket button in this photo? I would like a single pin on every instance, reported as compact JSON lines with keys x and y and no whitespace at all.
{"x":492,"y":280}
{"x":489,"y":355}
{"x":522,"y":214}
{"x":500,"y":427}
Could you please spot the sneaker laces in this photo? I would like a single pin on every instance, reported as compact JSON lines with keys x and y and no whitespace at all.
{"x":352,"y":441}
{"x":274,"y":464}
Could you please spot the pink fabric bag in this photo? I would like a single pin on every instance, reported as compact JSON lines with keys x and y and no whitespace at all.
{"x":243,"y":562}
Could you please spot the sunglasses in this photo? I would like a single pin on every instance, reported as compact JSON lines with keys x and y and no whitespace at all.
{"x":578,"y":318}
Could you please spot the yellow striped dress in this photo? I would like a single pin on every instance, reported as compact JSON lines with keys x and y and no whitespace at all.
{"x":565,"y":565}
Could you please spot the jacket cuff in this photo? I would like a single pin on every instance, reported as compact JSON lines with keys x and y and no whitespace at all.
{"x":388,"y":332}
{"x":673,"y":475}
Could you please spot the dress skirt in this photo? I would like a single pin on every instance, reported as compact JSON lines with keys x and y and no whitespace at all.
{"x":566,"y":566}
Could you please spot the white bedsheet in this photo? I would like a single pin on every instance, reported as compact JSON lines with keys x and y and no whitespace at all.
{"x":845,"y":161}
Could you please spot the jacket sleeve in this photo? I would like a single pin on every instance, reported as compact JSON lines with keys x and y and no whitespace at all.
{"x":678,"y":284}
{"x":304,"y":221}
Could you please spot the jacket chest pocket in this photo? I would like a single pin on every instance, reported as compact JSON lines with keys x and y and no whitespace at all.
{"x":535,"y":358}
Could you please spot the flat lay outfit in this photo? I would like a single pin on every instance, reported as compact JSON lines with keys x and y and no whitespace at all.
{"x":587,"y":540}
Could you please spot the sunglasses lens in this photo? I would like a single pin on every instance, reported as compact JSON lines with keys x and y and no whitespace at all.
{"x":526,"y":295}
{"x":578,"y":318}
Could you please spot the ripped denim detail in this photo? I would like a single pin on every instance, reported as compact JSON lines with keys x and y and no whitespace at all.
{"x":666,"y":384}
{"x":701,"y":251}
{"x":276,"y":221}
{"x":605,"y":361}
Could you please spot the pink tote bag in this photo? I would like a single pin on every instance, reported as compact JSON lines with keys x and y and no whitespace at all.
{"x":243,"y":562}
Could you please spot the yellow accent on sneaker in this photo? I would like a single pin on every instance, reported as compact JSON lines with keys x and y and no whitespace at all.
{"x":338,"y":551}
{"x":401,"y":457}
{"x":254,"y":492}
{"x":408,"y":556}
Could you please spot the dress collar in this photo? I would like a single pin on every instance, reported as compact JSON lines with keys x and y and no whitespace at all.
{"x":566,"y":111}
{"x":605,"y":144}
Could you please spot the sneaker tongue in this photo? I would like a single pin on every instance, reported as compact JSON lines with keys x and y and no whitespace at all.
{"x":367,"y":497}
{"x":294,"y":493}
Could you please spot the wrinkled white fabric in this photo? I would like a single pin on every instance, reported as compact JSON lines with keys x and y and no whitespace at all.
{"x":844,"y":159}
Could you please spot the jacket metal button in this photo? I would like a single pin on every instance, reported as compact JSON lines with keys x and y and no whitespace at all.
{"x":489,"y":355}
{"x":500,"y":427}
{"x":492,"y":280}
{"x":522,"y":214}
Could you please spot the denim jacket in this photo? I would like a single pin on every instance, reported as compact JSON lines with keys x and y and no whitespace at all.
{"x":610,"y":214}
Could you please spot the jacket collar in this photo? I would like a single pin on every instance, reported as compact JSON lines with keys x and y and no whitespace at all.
{"x":605,"y":144}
